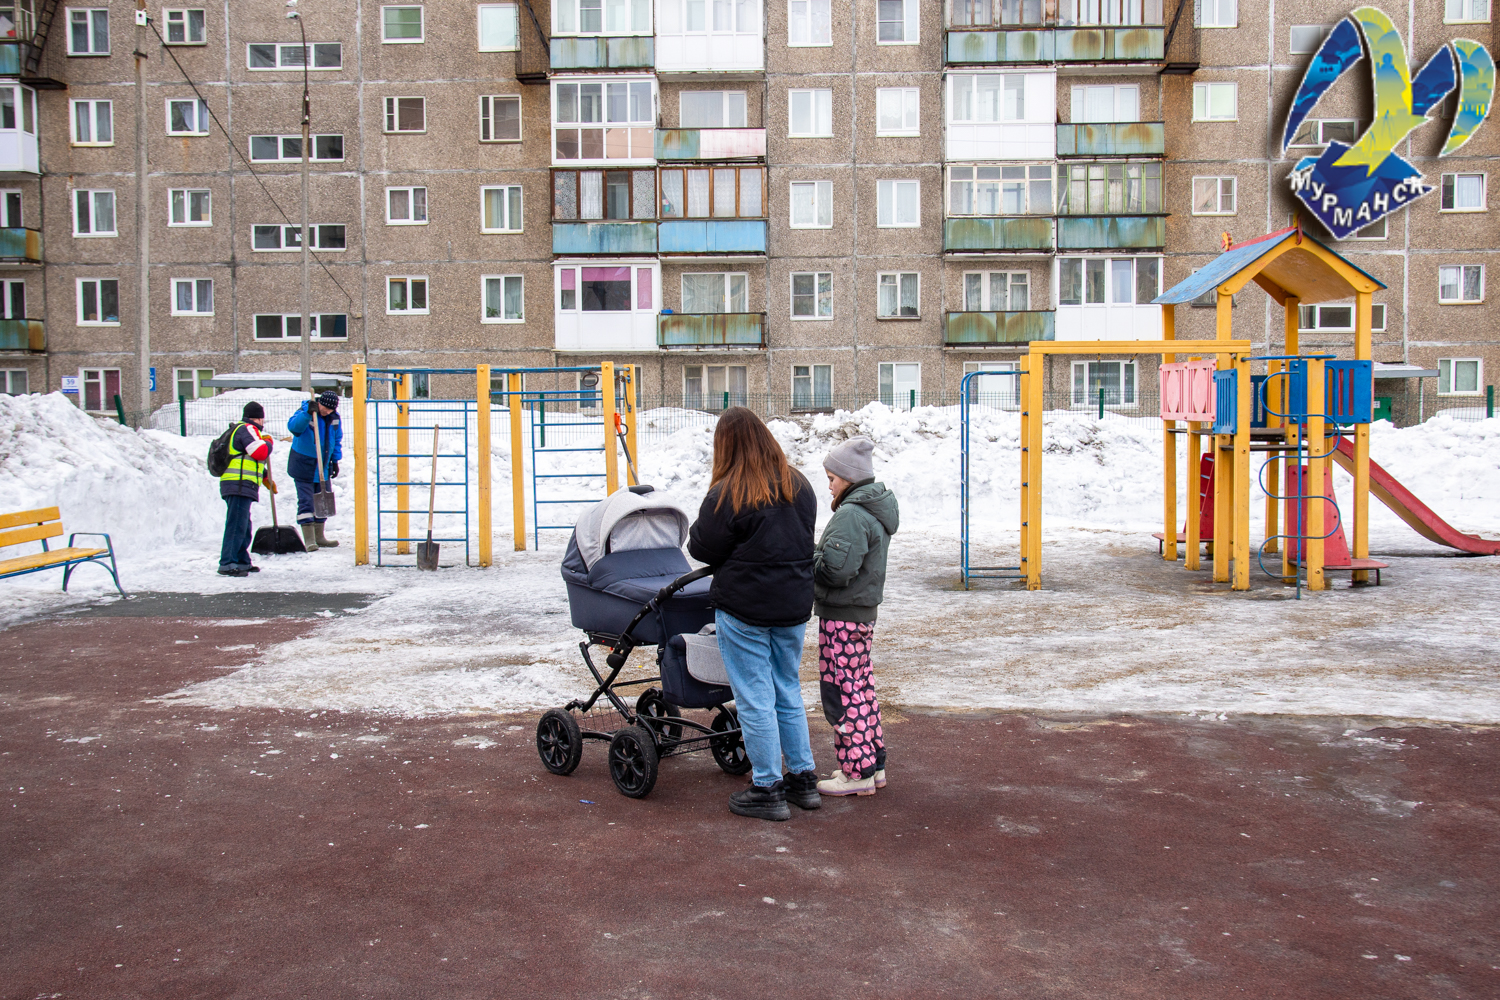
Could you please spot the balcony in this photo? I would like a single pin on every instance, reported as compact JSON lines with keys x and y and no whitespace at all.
{"x":613,"y":238}
{"x":710,"y":330}
{"x":1112,"y":139}
{"x":986,"y":329}
{"x":1111,"y":232}
{"x":703,"y":236}
{"x":604,"y":52}
{"x":20,"y":246}
{"x":22,"y":335}
{"x":1016,"y":45}
{"x":717,"y":54}
{"x":710,"y":143}
{"x":1020,"y":234}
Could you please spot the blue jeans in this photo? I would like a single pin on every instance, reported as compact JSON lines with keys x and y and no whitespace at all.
{"x":305,"y":490}
{"x":235,"y":552}
{"x":762,"y":664}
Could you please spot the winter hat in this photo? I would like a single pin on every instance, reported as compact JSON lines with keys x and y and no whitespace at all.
{"x":253,"y":410}
{"x":329,"y":398}
{"x":852,"y":461}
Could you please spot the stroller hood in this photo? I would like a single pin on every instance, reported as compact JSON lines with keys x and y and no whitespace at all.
{"x":625,"y":521}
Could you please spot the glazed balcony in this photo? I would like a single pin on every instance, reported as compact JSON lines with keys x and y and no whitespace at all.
{"x":711,"y":330}
{"x":1111,"y":232}
{"x":570,"y":239}
{"x":712,"y":236}
{"x":710,"y":144}
{"x":1112,"y":139}
{"x":1016,"y":234}
{"x":20,"y":246}
{"x":22,"y":335}
{"x":989,"y":329}
{"x":596,"y":52}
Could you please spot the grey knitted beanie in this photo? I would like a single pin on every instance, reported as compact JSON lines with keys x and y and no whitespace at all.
{"x":853,"y":460}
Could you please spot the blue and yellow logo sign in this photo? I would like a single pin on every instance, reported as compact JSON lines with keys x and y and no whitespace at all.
{"x":1349,"y":187}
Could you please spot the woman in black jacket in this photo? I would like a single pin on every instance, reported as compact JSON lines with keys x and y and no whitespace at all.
{"x":755,"y":528}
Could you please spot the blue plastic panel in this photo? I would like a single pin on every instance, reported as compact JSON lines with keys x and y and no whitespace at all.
{"x":1350,"y":393}
{"x":1226,"y":397}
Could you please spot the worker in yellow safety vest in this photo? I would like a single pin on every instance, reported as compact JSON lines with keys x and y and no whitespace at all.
{"x":249,"y":452}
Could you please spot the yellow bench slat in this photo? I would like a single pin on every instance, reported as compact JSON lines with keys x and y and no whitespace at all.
{"x":30,"y":517}
{"x":33,"y":533}
{"x":55,"y":557}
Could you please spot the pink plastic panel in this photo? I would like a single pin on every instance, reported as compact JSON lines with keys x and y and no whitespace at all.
{"x":1187,"y":391}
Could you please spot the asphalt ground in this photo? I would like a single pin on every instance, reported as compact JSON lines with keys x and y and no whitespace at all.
{"x":156,"y":850}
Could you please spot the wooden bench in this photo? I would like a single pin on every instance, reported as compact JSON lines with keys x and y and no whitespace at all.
{"x":40,"y":525}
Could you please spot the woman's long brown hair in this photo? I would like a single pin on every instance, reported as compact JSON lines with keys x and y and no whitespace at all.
{"x":750,"y":468}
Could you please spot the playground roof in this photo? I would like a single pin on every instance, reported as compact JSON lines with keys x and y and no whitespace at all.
{"x":1285,"y":263}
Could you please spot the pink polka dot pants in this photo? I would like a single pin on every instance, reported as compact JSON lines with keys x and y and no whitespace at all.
{"x":848,"y":688}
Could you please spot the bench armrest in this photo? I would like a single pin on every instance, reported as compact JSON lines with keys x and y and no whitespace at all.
{"x":93,"y":534}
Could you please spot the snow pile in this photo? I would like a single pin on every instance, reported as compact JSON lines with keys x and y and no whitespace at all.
{"x":210,"y":415}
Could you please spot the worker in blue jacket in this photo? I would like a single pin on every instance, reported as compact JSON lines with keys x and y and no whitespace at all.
{"x":302,"y":463}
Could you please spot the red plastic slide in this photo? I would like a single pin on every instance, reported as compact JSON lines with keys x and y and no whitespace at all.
{"x":1413,"y":511}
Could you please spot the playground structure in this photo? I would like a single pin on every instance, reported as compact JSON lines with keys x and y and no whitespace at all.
{"x":600,"y":407}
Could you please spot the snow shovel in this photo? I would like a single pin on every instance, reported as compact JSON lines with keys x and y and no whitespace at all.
{"x":427,"y":552}
{"x":322,"y":499}
{"x":276,"y":540}
{"x":629,"y":462}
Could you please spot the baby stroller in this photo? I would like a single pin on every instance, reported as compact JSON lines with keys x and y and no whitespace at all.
{"x":630,"y":585}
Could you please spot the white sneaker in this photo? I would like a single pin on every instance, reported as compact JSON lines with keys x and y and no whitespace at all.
{"x":841,"y":784}
{"x":880,"y":778}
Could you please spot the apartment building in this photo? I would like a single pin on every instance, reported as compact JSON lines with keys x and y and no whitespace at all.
{"x":810,"y":200}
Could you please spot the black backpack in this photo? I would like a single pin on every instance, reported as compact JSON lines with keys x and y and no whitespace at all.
{"x":218,"y":452}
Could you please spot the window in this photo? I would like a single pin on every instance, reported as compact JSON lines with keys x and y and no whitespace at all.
{"x":1090,"y":12}
{"x":187,"y":117}
{"x":98,"y":302}
{"x":288,"y":148}
{"x":406,"y":114}
{"x":324,"y":237}
{"x":1002,"y":389}
{"x":710,"y":17}
{"x":1217,"y":14}
{"x":896,"y":22}
{"x":1322,"y":131}
{"x":325,"y":326}
{"x":1109,"y":189}
{"x":406,"y":295}
{"x":1461,"y":283}
{"x":1464,"y":193}
{"x":504,"y":301}
{"x":711,"y":109}
{"x":189,"y":382}
{"x":622,"y":116}
{"x":714,"y":387}
{"x":400,"y":25}
{"x":1459,"y":376}
{"x":899,"y":204}
{"x":810,"y":113}
{"x":499,"y":119}
{"x":812,"y":387}
{"x":1338,"y":317}
{"x":100,"y":387}
{"x":1307,"y":37}
{"x":606,"y":288}
{"x":1097,"y":281}
{"x":10,"y":209}
{"x":1009,"y":190}
{"x":93,"y":123}
{"x":94,"y":213}
{"x":9,"y":99}
{"x":13,"y":382}
{"x":1374,"y":231}
{"x":715,"y":293}
{"x":292,"y":55}
{"x":610,"y":17}
{"x":812,"y":295}
{"x":1466,"y":11}
{"x":13,"y":299}
{"x":899,"y":295}
{"x":900,"y":385}
{"x":421,"y":385}
{"x":608,"y":195}
{"x":185,"y":27}
{"x":498,"y":27}
{"x":982,"y":98}
{"x":997,"y":291}
{"x":88,"y":31}
{"x":192,"y":297}
{"x":896,"y":110}
{"x":812,"y":205}
{"x":406,"y":206}
{"x":1106,"y":104}
{"x":808,"y":23}
{"x":1213,"y":195}
{"x":190,"y":207}
{"x":1113,"y":380}
{"x":993,"y":13}
{"x":1215,"y":102}
{"x":501,"y":208}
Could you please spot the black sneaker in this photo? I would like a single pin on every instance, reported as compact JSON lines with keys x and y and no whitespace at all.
{"x":233,"y":571}
{"x":802,"y":789}
{"x":253,"y":569}
{"x":761,"y":803}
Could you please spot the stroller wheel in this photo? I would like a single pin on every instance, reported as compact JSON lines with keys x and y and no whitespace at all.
{"x":632,"y":762}
{"x":559,"y":742}
{"x":729,"y":749}
{"x":655,"y":711}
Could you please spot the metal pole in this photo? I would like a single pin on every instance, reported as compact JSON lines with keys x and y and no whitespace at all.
{"x":142,"y":219}
{"x":306,"y":259}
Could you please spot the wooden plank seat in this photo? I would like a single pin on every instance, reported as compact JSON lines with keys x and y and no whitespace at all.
{"x":39,"y":525}
{"x":1355,"y":565}
{"x":1181,"y":540}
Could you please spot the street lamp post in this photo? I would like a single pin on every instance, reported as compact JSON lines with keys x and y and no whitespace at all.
{"x":306,"y":329}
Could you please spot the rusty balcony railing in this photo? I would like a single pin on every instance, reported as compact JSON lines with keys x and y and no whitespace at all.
{"x":698,"y":330}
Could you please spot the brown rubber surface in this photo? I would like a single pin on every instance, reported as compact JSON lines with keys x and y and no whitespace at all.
{"x":151,"y":850}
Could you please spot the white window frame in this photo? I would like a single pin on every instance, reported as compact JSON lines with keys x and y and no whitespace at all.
{"x":1225,"y":14}
{"x":411,"y":205}
{"x":484,"y":281}
{"x":1377,"y":317}
{"x":94,"y":232}
{"x":822,"y":193}
{"x":811,"y":377}
{"x":8,"y":289}
{"x":809,"y":18}
{"x":1322,"y":143}
{"x":641,"y":157}
{"x":11,"y":197}
{"x":105,"y":405}
{"x":1218,"y":184}
{"x":1384,"y":222}
{"x":315,"y":321}
{"x":281,"y":148}
{"x":1291,"y":42}
{"x":314,"y":230}
{"x":1446,"y":364}
{"x":888,"y":202}
{"x":726,"y":280}
{"x":910,"y":101}
{"x":515,"y":225}
{"x":98,"y":299}
{"x":14,"y":382}
{"x":987,"y":303}
{"x":91,"y":21}
{"x":1124,"y":102}
{"x":1109,"y":286}
{"x":186,"y":200}
{"x":635,"y":266}
{"x":819,"y":296}
{"x":909,"y":25}
{"x":195,"y":289}
{"x":998,"y":184}
{"x":880,"y":282}
{"x":1130,"y":398}
{"x":392,"y":120}
{"x":487,"y":106}
{"x":820,"y":100}
{"x":310,"y":56}
{"x":1461,"y":269}
{"x":409,"y":283}
{"x":604,"y":29}
{"x":93,"y":119}
{"x":1008,"y":396}
{"x":1473,"y":13}
{"x":515,"y":18}
{"x":200,"y":114}
{"x":703,"y":399}
{"x":724,"y":102}
{"x":421,"y":24}
{"x":195,"y":376}
{"x":890,"y":366}
{"x":1452,"y":186}
{"x":187,"y":25}
{"x":1206,"y":89}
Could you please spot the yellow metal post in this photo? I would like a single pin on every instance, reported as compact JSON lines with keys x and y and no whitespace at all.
{"x":1024,"y":390}
{"x":632,"y":391}
{"x":403,"y":464}
{"x":517,"y":462}
{"x":1292,"y":321}
{"x":1362,"y":352}
{"x":1193,"y":544}
{"x":1169,"y":452}
{"x":611,"y":458}
{"x":1242,"y":477}
{"x":1034,"y":476}
{"x":361,"y":462}
{"x":484,"y":415}
{"x":1223,"y":471}
{"x":1317,"y":469}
